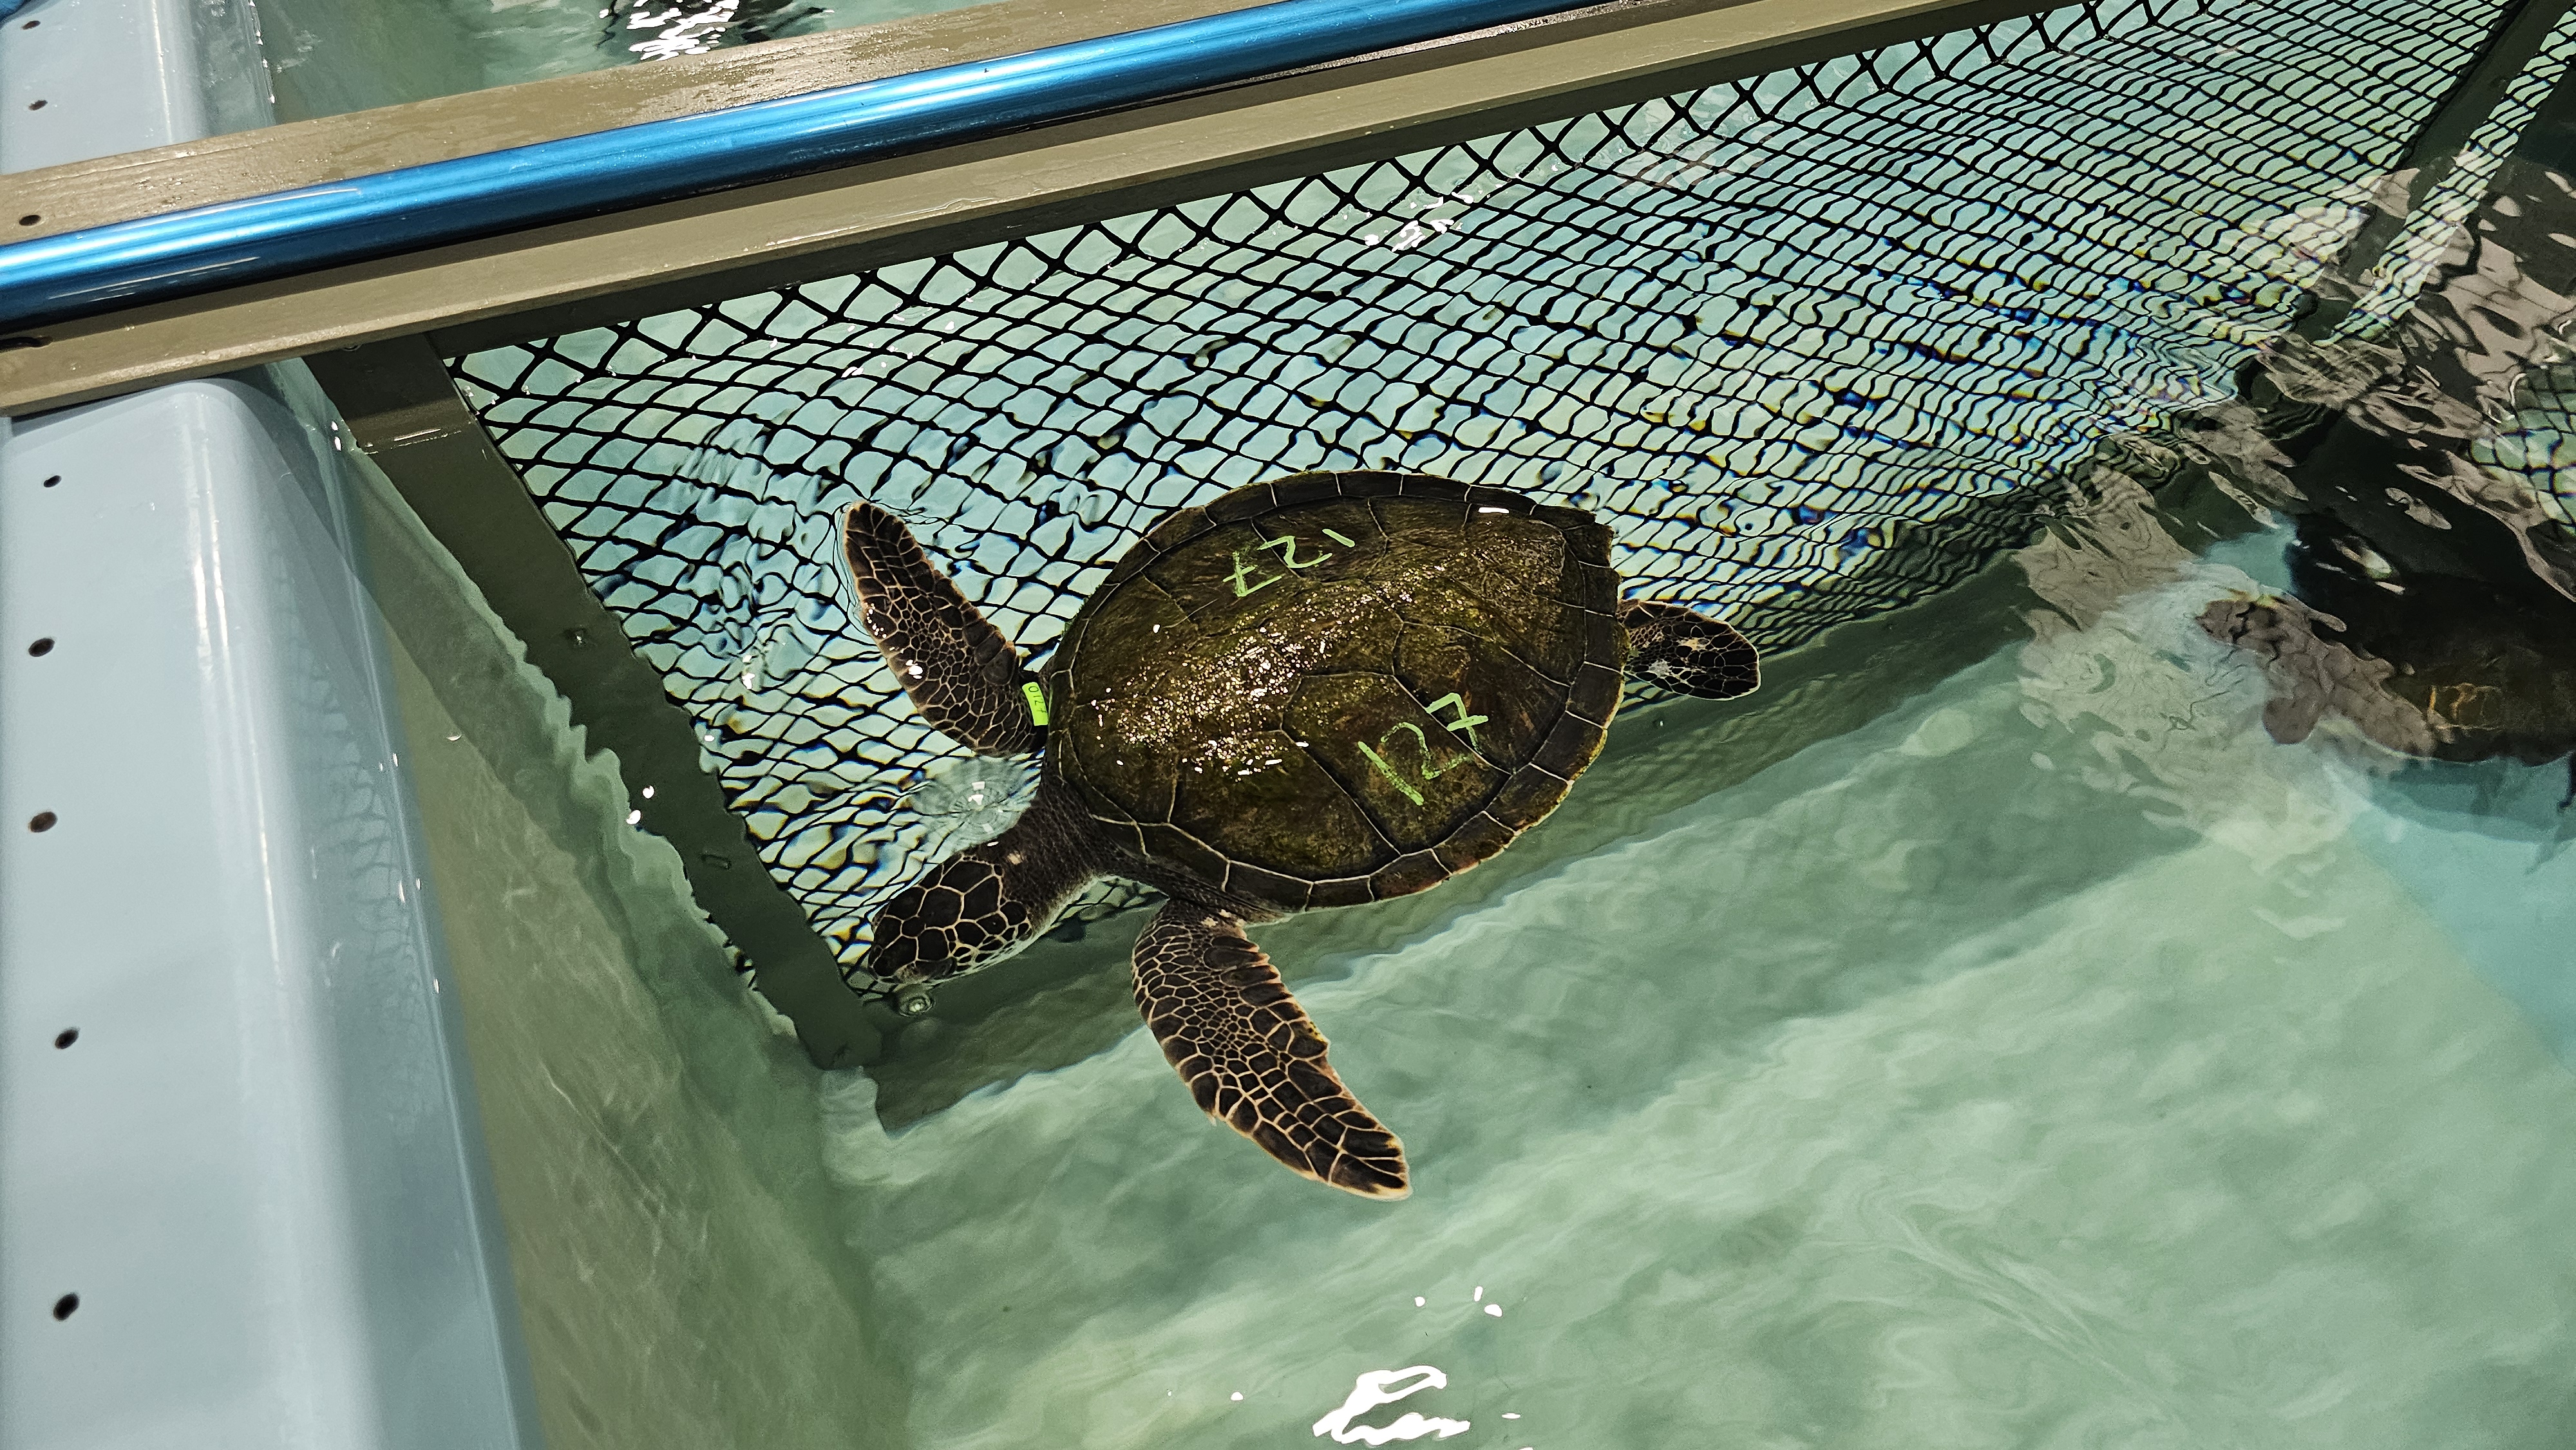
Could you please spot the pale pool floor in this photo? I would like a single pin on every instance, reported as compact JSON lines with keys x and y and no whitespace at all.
{"x":2053,"y":1061}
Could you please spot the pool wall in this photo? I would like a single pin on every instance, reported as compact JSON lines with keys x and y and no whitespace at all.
{"x":321,"y":1158}
{"x":654,"y":1132}
{"x":242,"y":1190}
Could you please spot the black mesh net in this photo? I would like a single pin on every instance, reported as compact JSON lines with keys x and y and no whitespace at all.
{"x":1814,"y":342}
{"x":2537,"y":444}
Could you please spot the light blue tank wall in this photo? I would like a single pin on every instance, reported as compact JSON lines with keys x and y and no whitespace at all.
{"x":122,"y":75}
{"x":257,"y":1165}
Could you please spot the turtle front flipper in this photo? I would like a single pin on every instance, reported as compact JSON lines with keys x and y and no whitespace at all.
{"x":1252,"y":1057}
{"x":967,"y":681}
{"x":1684,"y":650}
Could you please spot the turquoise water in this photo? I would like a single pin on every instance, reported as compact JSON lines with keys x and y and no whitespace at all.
{"x":2052,"y":1060}
{"x":1986,"y":1035}
{"x":326,"y":57}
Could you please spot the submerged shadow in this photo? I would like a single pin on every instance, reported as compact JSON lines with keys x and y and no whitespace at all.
{"x":2432,"y":599}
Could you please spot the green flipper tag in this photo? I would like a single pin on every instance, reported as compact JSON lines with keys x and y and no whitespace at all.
{"x":1037,"y":702}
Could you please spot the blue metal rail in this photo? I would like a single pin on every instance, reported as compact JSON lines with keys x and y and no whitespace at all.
{"x":205,"y":248}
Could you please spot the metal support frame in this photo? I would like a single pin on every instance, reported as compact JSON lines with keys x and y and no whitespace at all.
{"x":2519,"y":32}
{"x":148,"y":180}
{"x":2550,"y":140}
{"x":404,"y":412}
{"x":549,"y":279}
{"x":2516,"y":264}
{"x":193,"y":250}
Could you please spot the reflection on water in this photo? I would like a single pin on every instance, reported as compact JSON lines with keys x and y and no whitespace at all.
{"x":970,"y":800}
{"x":327,"y":56}
{"x":658,"y":29}
{"x":1384,"y":1387}
{"x":2432,"y":599}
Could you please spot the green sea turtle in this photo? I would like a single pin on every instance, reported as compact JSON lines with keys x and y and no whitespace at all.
{"x":2443,"y":666}
{"x":1323,"y":690}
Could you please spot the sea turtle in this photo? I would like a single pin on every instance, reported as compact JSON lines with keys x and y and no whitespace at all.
{"x":1318,"y":691}
{"x":2443,"y":666}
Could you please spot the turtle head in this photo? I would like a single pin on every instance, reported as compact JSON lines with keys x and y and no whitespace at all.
{"x":922,"y":941}
{"x":1685,"y":651}
{"x":977,"y":908}
{"x":914,"y":952}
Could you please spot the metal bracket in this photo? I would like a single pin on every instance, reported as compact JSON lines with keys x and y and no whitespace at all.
{"x":2519,"y":32}
{"x":403,"y":410}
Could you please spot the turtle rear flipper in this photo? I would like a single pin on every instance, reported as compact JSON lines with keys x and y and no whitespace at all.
{"x":963,"y":676}
{"x":1251,"y":1056}
{"x":1684,"y":650}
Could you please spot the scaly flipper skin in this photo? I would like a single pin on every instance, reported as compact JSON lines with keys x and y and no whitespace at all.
{"x":963,"y":676}
{"x":1684,"y":650}
{"x":1251,"y":1056}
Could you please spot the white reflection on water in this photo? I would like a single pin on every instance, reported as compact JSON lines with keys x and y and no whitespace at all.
{"x":1374,"y":1389}
{"x":969,"y":800}
{"x":684,"y":30}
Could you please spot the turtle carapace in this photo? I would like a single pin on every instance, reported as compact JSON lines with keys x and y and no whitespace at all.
{"x":1323,"y":690}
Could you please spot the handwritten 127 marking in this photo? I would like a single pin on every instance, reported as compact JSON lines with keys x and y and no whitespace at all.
{"x":1465,"y":725}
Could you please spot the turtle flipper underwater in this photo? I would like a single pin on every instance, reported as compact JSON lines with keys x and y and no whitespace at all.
{"x":963,"y":675}
{"x":1251,"y":1055}
{"x":1323,"y":690}
{"x":1685,"y":651}
{"x":2442,"y":666}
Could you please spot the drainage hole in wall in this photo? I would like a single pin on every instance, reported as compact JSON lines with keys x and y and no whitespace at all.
{"x":31,"y":218}
{"x":30,"y":25}
{"x":53,"y":479}
{"x":66,"y":1037}
{"x":35,"y":105}
{"x":41,"y":821}
{"x":64,"y":1306}
{"x":42,"y":647}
